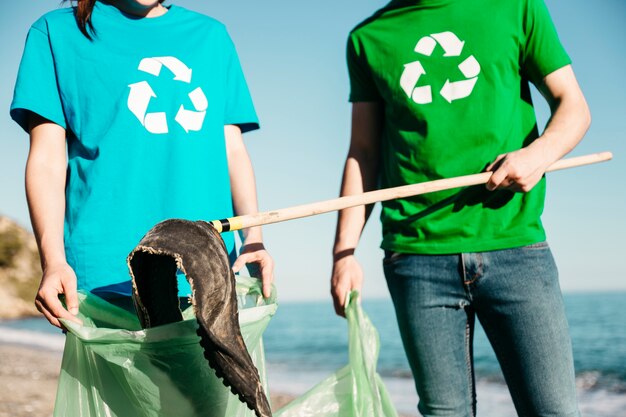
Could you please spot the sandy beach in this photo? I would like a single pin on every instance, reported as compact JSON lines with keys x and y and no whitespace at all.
{"x":29,"y":380}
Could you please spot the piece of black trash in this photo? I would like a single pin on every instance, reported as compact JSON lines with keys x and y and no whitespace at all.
{"x":198,"y":250}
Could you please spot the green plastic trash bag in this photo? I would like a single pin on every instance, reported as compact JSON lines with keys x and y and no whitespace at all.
{"x":355,"y":390}
{"x":112,"y":368}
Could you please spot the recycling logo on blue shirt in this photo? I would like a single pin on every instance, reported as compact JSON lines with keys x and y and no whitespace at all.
{"x":451,"y":90}
{"x":141,"y":93}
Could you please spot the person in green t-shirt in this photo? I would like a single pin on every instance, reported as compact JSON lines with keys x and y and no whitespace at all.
{"x":440,"y":88}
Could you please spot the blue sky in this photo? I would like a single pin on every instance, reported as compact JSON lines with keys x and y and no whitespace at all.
{"x":293,"y":56}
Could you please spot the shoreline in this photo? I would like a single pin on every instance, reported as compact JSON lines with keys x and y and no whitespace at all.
{"x":30,"y":374}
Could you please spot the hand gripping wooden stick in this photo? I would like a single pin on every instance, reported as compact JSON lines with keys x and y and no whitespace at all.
{"x":306,"y":210}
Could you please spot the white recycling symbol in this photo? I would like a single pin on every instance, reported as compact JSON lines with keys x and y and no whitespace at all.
{"x":141,"y":93}
{"x":450,"y":91}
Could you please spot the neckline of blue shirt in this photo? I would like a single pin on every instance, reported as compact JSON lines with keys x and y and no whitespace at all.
{"x":119,"y":15}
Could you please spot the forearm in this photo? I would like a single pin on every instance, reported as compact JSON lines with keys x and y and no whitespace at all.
{"x":242,"y":183}
{"x":243,"y":189}
{"x":45,"y":191}
{"x":521,"y":170}
{"x":360,"y":174}
{"x":570,"y":117}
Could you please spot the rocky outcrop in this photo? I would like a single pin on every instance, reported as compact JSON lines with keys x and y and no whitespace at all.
{"x":20,"y":271}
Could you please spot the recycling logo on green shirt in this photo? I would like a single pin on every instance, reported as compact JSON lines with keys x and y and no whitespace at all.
{"x":141,"y":93}
{"x":451,"y":90}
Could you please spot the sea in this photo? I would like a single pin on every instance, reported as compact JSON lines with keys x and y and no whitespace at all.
{"x":305,"y":342}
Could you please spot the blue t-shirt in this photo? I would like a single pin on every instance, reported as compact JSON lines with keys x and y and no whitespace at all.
{"x":144,"y":106}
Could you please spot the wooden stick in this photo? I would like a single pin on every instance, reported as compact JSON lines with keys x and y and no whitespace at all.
{"x":296,"y":212}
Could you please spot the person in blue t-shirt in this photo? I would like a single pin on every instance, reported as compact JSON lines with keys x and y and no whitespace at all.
{"x":135,"y":112}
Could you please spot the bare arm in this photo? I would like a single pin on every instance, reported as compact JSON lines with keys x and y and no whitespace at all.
{"x":521,"y":170}
{"x":360,"y":175}
{"x":243,"y":188}
{"x":45,"y":191}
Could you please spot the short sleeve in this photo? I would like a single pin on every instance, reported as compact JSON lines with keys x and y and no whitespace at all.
{"x":543,"y":52}
{"x":362,"y":85}
{"x":36,"y":88}
{"x":239,"y":106}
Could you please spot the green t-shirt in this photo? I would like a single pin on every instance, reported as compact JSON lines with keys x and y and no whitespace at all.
{"x":453,"y":76}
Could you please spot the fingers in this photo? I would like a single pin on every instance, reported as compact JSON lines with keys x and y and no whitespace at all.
{"x":55,"y":307}
{"x":48,"y":303}
{"x":500,"y":173}
{"x":517,"y":171}
{"x":501,"y":180}
{"x":507,"y":176}
{"x":71,"y":298}
{"x":346,"y":277}
{"x":59,"y":280}
{"x":265,"y":264}
{"x":239,"y":263}
{"x":496,"y":179}
{"x":339,"y":298}
{"x":267,"y":278}
{"x":495,"y":163}
{"x":39,"y":303}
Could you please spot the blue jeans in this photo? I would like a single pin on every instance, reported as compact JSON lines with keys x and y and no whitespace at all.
{"x":516,"y":296}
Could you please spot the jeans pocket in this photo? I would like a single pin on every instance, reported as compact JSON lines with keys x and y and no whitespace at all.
{"x":391,"y":257}
{"x":538,"y":245}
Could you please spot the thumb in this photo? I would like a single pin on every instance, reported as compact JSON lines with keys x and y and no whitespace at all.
{"x":340,"y":297}
{"x":267,"y":288}
{"x":239,"y":263}
{"x":346,"y":299}
{"x":71,"y":297}
{"x":495,"y":164}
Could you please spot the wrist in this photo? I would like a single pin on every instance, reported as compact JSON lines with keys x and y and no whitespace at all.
{"x":53,"y":266}
{"x":252,"y":247}
{"x":49,"y":261}
{"x":252,"y":241}
{"x":342,"y":253}
{"x":546,"y":150}
{"x":51,"y":251}
{"x":252,"y":235}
